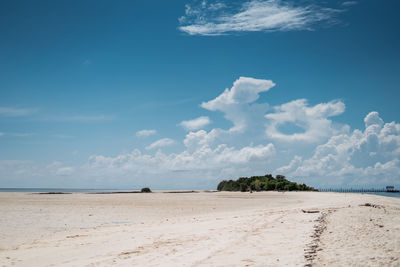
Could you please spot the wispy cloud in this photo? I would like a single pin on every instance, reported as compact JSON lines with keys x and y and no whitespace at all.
{"x":196,"y":124}
{"x":254,"y":15}
{"x":22,"y":134}
{"x":40,"y":116}
{"x":1,"y":134}
{"x":161,"y":143}
{"x":79,"y":118}
{"x":349,"y":3}
{"x":65,"y":171}
{"x":62,"y":136}
{"x":16,"y":112}
{"x":144,"y":133}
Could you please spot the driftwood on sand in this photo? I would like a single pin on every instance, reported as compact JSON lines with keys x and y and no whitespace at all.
{"x":310,"y":211}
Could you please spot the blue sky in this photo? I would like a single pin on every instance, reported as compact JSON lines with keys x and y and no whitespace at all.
{"x":131,"y":93}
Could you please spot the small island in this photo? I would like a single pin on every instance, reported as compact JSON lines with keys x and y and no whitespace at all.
{"x":262,"y":183}
{"x":145,"y":190}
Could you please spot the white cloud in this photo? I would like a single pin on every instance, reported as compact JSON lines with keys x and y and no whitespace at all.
{"x":20,"y":112}
{"x":26,"y":173}
{"x":57,"y":168}
{"x":236,"y":103}
{"x":244,"y":90}
{"x":22,"y":134}
{"x":1,"y":134}
{"x":196,"y":124}
{"x":312,"y":120}
{"x":349,"y":3}
{"x":254,"y":15}
{"x":373,"y":119}
{"x":216,"y":6}
{"x":360,"y":157}
{"x":65,"y":171}
{"x":201,"y":138}
{"x":16,"y":112}
{"x":204,"y":158}
{"x":144,"y":133}
{"x":161,"y":143}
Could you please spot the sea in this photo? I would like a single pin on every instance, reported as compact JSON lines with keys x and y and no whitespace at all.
{"x":62,"y":190}
{"x":85,"y":190}
{"x":386,"y":194}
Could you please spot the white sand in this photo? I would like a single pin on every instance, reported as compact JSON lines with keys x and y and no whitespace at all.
{"x":199,"y":229}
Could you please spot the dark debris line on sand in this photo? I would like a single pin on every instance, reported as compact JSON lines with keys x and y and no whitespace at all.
{"x":181,"y":192}
{"x":373,"y":206}
{"x":310,"y":211}
{"x":53,"y":193}
{"x":310,"y":252}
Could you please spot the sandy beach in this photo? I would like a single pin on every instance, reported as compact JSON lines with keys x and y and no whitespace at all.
{"x":199,"y":229}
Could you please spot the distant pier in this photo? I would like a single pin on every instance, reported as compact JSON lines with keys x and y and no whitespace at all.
{"x":388,"y":189}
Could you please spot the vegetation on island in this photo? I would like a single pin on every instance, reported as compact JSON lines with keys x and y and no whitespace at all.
{"x":145,"y":190}
{"x":262,"y":183}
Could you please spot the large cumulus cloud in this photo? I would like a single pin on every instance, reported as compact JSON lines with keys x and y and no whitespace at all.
{"x":359,"y":158}
{"x":312,"y":120}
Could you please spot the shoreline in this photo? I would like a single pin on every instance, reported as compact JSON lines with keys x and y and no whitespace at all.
{"x":199,"y":229}
{"x":61,"y":191}
{"x":135,"y":191}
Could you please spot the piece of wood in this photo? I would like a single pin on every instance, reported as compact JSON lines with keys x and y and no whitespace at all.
{"x":310,"y":211}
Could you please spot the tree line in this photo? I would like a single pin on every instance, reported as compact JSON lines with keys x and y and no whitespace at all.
{"x":262,"y":183}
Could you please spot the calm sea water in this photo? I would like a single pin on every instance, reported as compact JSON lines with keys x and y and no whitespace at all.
{"x":61,"y":190}
{"x":386,"y":194}
{"x":82,"y":190}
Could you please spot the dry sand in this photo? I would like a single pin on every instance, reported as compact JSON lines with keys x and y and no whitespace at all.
{"x":199,"y":229}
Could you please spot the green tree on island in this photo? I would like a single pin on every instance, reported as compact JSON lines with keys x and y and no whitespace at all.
{"x":262,"y":183}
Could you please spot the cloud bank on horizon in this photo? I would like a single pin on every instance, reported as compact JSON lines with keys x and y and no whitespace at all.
{"x":320,"y":151}
{"x":219,"y":18}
